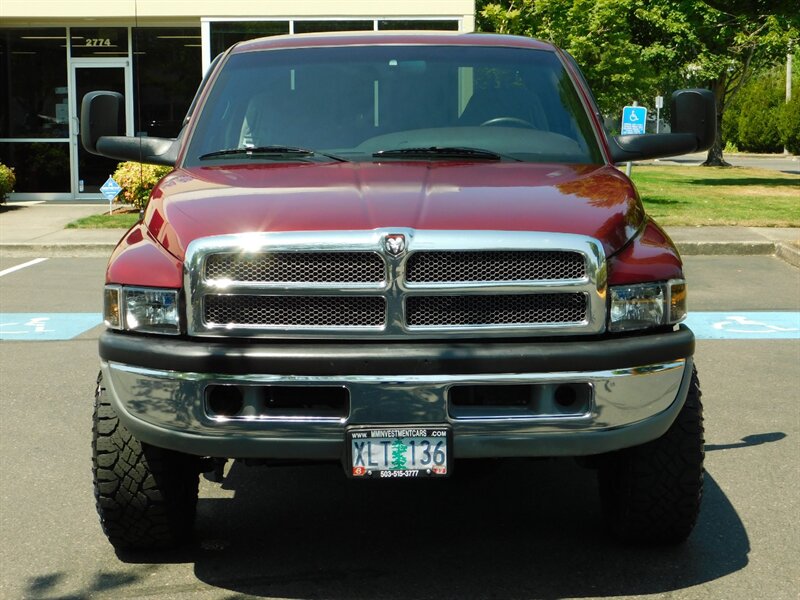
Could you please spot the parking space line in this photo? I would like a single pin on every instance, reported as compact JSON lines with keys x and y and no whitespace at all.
{"x":30,"y":263}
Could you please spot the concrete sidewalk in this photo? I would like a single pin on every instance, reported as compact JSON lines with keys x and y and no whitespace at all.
{"x":37,"y":230}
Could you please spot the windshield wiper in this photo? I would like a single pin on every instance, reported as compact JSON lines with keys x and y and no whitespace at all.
{"x":443,"y":152}
{"x":271,"y":152}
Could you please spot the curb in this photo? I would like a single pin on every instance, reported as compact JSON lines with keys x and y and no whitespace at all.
{"x":789,"y":254}
{"x":67,"y":250}
{"x":727,"y":248}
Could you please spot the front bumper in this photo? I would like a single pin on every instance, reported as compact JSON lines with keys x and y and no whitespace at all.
{"x":638,"y":384}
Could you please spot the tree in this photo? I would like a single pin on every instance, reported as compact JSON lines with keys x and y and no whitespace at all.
{"x":721,"y":44}
{"x":613,"y":68}
{"x":638,"y":48}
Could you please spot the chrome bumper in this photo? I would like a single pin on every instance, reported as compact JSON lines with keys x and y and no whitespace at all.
{"x":627,"y":407}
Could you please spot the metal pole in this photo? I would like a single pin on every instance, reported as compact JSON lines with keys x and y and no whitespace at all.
{"x":788,"y":87}
{"x":628,"y":165}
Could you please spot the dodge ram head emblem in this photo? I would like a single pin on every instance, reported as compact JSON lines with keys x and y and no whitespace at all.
{"x":395,"y":243}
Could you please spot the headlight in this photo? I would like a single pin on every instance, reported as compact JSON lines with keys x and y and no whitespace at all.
{"x":647,"y":305}
{"x":148,"y":310}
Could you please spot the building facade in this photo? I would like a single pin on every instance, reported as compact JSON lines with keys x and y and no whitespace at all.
{"x":154,"y":52}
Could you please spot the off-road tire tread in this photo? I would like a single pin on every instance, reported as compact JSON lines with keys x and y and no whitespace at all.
{"x":146,"y":496}
{"x":652,"y":493}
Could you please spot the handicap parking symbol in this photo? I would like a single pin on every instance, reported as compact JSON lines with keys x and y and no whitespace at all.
{"x":46,"y":327}
{"x":36,"y":325}
{"x":745,"y":325}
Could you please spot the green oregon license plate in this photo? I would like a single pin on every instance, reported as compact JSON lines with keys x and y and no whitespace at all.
{"x":384,"y":452}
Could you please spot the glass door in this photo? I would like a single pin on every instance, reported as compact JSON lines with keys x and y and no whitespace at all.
{"x":89,"y":170}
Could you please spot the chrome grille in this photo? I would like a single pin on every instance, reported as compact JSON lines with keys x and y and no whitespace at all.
{"x":352,"y":284}
{"x":494,"y":265}
{"x":517,"y":309}
{"x":297,"y":311}
{"x":309,"y":267}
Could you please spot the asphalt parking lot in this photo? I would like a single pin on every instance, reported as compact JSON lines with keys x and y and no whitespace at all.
{"x":518,"y":529}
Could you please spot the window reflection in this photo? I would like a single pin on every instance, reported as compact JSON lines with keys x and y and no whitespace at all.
{"x":166,"y":74}
{"x":322,"y":26}
{"x":33,"y":70}
{"x":226,"y":34}
{"x":38,"y":166}
{"x":418,"y":25}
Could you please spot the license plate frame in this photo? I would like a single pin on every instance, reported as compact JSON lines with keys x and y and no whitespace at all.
{"x":406,"y":451}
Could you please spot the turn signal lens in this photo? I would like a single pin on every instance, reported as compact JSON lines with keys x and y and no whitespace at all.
{"x":677,"y":300}
{"x":111,"y":307}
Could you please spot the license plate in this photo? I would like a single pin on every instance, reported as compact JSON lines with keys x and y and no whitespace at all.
{"x":383,"y":452}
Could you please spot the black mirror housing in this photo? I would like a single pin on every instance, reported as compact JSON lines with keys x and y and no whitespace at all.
{"x":103,"y":133}
{"x":148,"y":150}
{"x":102,"y":114}
{"x":694,"y":128}
{"x":695,"y":111}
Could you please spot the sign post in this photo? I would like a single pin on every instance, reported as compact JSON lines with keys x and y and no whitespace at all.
{"x":110,"y":189}
{"x":659,"y":106}
{"x":634,"y":118}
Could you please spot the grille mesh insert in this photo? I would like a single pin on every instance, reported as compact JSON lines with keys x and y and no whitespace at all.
{"x":298,"y":311}
{"x":520,"y":309}
{"x":311,"y":267}
{"x":494,"y":265}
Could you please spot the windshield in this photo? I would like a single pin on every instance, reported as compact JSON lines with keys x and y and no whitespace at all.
{"x":381,"y":103}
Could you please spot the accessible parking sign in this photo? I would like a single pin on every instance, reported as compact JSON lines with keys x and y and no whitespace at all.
{"x":633,"y":120}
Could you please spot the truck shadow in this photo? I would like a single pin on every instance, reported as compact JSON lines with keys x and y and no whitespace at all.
{"x":511,"y":529}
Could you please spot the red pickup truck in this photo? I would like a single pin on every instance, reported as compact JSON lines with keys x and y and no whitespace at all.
{"x":398,"y":252}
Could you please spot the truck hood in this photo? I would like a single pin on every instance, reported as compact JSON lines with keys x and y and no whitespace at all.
{"x":596,"y":201}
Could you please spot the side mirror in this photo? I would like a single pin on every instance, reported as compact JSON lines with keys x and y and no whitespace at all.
{"x":695,"y":111}
{"x":103,"y":133}
{"x":694,"y":128}
{"x":102,"y":114}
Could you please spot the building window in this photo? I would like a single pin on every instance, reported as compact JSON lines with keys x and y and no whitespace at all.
{"x":34,"y":108}
{"x":331,"y":25}
{"x":166,"y":75}
{"x":225,"y":34}
{"x":38,"y":166}
{"x":98,"y":42}
{"x":33,"y":80}
{"x":418,"y":24}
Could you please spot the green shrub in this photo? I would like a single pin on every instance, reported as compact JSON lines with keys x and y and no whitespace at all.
{"x":789,"y":125}
{"x":758,"y":121}
{"x":137,"y":181}
{"x":730,"y":148}
{"x":753,"y":120}
{"x":7,"y":182}
{"x":730,"y":121}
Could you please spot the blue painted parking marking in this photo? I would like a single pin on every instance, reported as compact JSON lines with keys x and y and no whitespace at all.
{"x":46,"y":326}
{"x":738,"y":325}
{"x":729,"y":325}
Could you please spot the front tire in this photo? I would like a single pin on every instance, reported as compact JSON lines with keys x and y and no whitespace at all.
{"x":652,"y":493}
{"x":146,"y":496}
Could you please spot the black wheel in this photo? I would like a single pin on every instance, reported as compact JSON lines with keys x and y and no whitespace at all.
{"x":651,"y":493}
{"x":146,"y":496}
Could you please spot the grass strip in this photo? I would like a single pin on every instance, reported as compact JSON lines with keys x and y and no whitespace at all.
{"x":672,"y":195}
{"x":693,"y":196}
{"x":115,"y":221}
